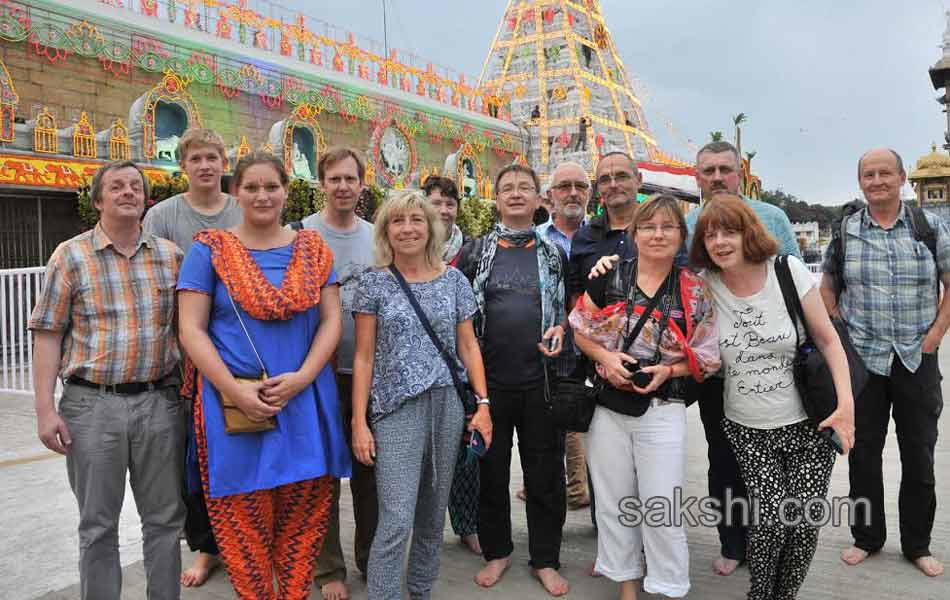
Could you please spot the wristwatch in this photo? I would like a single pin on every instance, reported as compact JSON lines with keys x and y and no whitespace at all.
{"x":484,"y":400}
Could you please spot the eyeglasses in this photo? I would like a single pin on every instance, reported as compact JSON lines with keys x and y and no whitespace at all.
{"x":651,"y":229}
{"x":617,"y":178}
{"x":566,"y":187}
{"x":523,"y":189}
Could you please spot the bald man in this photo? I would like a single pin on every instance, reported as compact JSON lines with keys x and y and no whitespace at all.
{"x":886,"y":292}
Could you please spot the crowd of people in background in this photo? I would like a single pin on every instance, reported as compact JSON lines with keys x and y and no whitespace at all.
{"x":236,"y":368}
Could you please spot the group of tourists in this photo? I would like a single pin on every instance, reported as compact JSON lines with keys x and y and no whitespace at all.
{"x":237,"y":368}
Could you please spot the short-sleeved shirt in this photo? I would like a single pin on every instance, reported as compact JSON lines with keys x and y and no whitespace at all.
{"x":890,"y":297}
{"x":757,"y":343}
{"x":406,"y":362}
{"x":550,"y":232}
{"x":175,"y":220}
{"x":352,"y":258}
{"x":117,"y":313}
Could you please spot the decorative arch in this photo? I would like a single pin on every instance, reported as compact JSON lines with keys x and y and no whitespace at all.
{"x":171,"y":90}
{"x":84,"y":138}
{"x":119,"y":147}
{"x":394,"y":153}
{"x":45,"y":137}
{"x":299,"y":141}
{"x":468,"y":172}
{"x":8,"y":104}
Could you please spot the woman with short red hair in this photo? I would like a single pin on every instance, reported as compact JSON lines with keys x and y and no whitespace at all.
{"x":780,"y":452}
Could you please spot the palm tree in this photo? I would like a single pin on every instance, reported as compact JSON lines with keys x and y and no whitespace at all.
{"x":738,"y":120}
{"x":715,"y":136}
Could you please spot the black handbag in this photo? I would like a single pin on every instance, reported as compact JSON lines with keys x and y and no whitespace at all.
{"x":463,"y":389}
{"x":810,"y":370}
{"x":570,"y":402}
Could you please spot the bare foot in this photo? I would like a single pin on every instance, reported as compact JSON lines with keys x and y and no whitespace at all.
{"x":491,"y":572}
{"x":552,"y":581}
{"x":198,"y":573}
{"x":335,"y":590}
{"x":471,"y":542}
{"x":853,"y":555}
{"x":724,"y":566}
{"x":593,"y":572}
{"x":521,"y":495}
{"x":930,"y":566}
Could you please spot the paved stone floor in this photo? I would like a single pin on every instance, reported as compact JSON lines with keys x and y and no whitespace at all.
{"x":38,"y":536}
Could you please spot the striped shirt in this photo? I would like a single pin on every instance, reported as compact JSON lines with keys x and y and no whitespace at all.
{"x":890,"y":297}
{"x":117,"y":314}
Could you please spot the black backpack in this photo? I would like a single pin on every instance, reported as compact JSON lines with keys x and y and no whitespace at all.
{"x":919,"y":225}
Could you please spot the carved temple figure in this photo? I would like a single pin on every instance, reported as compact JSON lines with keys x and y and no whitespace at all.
{"x":301,"y":164}
{"x":166,"y":148}
{"x":394,"y":150}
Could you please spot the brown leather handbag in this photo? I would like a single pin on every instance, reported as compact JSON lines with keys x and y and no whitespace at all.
{"x":235,"y":421}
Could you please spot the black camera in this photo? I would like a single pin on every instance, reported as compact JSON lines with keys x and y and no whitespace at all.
{"x":640,"y":378}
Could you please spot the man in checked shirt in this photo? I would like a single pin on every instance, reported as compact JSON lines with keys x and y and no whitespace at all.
{"x":889,"y":299}
{"x":105,"y":323}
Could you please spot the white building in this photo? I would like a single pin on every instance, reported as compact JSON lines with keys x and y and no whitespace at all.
{"x":808,"y":232}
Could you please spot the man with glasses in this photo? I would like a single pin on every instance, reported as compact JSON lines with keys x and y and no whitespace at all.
{"x":569,"y":194}
{"x":518,"y":279}
{"x":618,"y":181}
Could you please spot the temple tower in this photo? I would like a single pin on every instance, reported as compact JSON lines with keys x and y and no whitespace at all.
{"x":555,"y":63}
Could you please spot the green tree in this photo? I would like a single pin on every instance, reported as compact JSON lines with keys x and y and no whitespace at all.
{"x":715,"y":136}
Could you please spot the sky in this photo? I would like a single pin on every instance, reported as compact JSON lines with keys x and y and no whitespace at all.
{"x":820,"y":81}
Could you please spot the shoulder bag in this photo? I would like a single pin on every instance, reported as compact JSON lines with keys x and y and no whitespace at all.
{"x":463,"y":389}
{"x":235,"y":421}
{"x":812,"y":375}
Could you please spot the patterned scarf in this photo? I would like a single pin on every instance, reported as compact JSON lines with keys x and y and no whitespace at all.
{"x":453,"y":244}
{"x":307,"y":272}
{"x":549,"y":272}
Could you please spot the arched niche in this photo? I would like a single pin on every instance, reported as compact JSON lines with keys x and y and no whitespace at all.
{"x":160,"y":117}
{"x":394,"y":153}
{"x":299,"y":141}
{"x":465,"y":166}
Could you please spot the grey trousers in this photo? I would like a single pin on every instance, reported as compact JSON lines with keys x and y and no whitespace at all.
{"x":142,"y":435}
{"x":416,"y":447}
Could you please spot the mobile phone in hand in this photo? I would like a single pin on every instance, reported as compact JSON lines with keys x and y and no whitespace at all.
{"x":552,"y":343}
{"x":477,"y":444}
{"x":832,"y":438}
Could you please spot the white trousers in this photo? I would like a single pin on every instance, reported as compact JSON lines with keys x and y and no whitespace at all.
{"x":633,"y":461}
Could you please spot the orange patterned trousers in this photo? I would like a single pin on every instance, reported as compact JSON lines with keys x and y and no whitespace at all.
{"x":267,"y":533}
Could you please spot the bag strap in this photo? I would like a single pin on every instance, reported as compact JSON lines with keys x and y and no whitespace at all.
{"x":246,"y":334}
{"x":790,"y":294}
{"x":450,"y":361}
{"x":647,"y":312}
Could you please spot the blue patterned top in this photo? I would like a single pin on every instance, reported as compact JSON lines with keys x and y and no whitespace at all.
{"x":406,"y":363}
{"x":890,"y":299}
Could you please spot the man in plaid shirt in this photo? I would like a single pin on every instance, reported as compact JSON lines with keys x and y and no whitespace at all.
{"x":105,"y":323}
{"x":890,"y":303}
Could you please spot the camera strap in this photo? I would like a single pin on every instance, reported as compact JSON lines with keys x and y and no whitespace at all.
{"x":661,"y":293}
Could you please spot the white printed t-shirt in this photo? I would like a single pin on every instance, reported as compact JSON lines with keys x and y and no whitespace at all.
{"x":757,"y":343}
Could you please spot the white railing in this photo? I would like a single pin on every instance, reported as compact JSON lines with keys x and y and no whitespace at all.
{"x":19,"y":291}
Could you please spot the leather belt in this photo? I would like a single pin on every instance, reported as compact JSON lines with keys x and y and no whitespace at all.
{"x":136,"y":387}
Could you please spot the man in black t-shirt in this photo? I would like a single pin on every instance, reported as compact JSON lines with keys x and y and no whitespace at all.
{"x":519,"y":283}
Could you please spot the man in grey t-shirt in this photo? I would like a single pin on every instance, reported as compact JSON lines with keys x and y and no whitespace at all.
{"x":178,"y":219}
{"x":341,"y":174}
{"x":204,"y":205}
